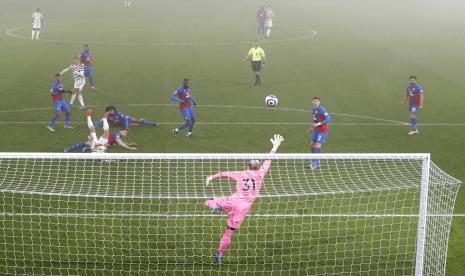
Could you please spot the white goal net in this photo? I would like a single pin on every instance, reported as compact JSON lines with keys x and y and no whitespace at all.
{"x":92,"y":214}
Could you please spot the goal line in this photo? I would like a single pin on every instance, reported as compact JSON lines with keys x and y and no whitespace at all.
{"x":84,"y":215}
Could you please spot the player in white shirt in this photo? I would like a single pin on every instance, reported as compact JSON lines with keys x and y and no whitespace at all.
{"x":37,"y":23}
{"x":79,"y":80}
{"x":269,"y":14}
{"x":127,"y":3}
{"x":98,"y":144}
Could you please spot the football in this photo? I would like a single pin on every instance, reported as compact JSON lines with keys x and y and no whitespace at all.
{"x":271,"y":101}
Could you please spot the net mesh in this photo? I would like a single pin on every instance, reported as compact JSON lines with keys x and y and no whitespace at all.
{"x":93,"y":214}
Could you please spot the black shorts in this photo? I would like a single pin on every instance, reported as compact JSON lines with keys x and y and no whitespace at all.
{"x":256,"y":66}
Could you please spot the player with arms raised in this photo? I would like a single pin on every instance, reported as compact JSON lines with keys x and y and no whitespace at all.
{"x":414,"y":94}
{"x":88,"y":72}
{"x":77,"y":69}
{"x":248,"y":184}
{"x":183,"y":96}
{"x":37,"y":23}
{"x":319,"y":129}
{"x":59,"y":104}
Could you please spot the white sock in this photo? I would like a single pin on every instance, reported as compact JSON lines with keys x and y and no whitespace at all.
{"x":90,"y":124}
{"x":106,"y":127}
{"x":32,"y":34}
{"x":268,"y":32}
{"x":37,"y":34}
{"x":81,"y":100}
{"x":72,"y":99}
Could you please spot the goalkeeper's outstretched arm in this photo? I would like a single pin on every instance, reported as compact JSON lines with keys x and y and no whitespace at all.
{"x":276,"y":141}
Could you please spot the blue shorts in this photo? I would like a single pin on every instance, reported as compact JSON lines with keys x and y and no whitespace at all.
{"x":319,"y":137}
{"x":413,"y":109}
{"x":126,"y":122}
{"x":188,"y":113}
{"x":88,"y":71}
{"x":59,"y":106}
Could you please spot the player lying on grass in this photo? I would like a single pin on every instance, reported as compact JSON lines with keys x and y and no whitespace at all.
{"x":248,"y":184}
{"x":59,"y":104}
{"x":105,"y":141}
{"x":118,"y":119}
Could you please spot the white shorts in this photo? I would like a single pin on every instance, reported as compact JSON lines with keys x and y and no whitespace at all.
{"x":36,"y":26}
{"x":268,"y":23}
{"x":99,"y":145}
{"x":79,"y":84}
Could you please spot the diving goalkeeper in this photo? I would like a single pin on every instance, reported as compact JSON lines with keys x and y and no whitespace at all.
{"x":248,"y":184}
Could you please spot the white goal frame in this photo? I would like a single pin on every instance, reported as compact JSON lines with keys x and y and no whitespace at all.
{"x":424,"y":158}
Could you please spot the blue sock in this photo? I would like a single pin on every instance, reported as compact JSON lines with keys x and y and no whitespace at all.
{"x":85,"y":148}
{"x":67,"y":118}
{"x":91,"y":81}
{"x":148,"y":123}
{"x":317,"y":150}
{"x":312,"y":150}
{"x":53,"y":120}
{"x":75,"y":146}
{"x":97,"y":124}
{"x":191,"y":127}
{"x":414,"y":124}
{"x":182,"y":126}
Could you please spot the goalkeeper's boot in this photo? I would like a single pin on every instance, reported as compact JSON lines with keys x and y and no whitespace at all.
{"x":314,"y":165}
{"x":217,"y":258}
{"x":413,"y":132}
{"x":50,"y":128}
{"x":68,"y":126}
{"x":217,"y":209}
{"x":175,"y":132}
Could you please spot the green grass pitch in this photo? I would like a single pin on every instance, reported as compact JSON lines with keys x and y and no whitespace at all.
{"x":356,"y":55}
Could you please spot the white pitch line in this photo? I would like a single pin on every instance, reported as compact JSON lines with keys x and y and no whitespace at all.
{"x":386,"y":122}
{"x":256,"y":123}
{"x":10,"y":32}
{"x":9,"y":214}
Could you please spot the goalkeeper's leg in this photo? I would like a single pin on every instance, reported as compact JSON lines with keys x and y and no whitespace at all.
{"x":224,"y":244}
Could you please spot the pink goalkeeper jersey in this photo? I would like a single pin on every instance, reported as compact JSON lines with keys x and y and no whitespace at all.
{"x":248,"y":183}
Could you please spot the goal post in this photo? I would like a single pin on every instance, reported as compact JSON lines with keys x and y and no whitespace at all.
{"x":357,"y":214}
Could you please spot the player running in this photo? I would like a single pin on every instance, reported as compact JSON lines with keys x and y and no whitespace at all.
{"x":414,"y":94}
{"x":88,"y":72}
{"x":260,"y":19}
{"x":319,"y":129}
{"x":37,"y":23}
{"x":77,"y":69}
{"x":59,"y":104}
{"x":248,"y":184}
{"x":269,"y":14}
{"x":118,"y":119}
{"x":183,"y":96}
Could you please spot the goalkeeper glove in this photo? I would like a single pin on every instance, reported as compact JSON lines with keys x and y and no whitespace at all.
{"x":276,"y":141}
{"x":208,"y":180}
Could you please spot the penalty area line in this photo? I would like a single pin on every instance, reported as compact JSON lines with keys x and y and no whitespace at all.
{"x":260,"y":123}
